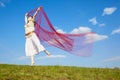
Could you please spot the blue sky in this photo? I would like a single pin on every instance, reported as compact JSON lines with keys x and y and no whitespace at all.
{"x":69,"y":16}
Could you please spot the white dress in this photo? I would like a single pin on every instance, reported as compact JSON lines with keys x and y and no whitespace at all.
{"x":32,"y":45}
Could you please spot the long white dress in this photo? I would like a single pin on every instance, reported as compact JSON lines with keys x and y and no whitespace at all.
{"x":32,"y":45}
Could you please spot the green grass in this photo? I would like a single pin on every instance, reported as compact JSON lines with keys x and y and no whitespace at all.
{"x":25,"y":72}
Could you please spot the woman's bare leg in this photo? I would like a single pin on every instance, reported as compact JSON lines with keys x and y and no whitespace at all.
{"x":48,"y":53}
{"x":32,"y":60}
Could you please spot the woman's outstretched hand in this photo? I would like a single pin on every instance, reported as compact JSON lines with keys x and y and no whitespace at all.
{"x":39,"y":8}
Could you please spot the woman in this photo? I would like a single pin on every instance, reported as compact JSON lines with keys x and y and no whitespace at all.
{"x":32,"y":46}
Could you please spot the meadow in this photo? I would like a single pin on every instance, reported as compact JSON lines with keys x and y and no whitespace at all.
{"x":26,"y":72}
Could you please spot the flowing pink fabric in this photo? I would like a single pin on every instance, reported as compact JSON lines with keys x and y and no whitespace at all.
{"x":73,"y":43}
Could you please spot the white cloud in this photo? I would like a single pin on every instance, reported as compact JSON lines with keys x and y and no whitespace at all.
{"x":116,"y":31}
{"x":81,"y":29}
{"x":52,"y":56}
{"x":101,"y":25}
{"x":109,"y":11}
{"x":56,"y":56}
{"x":93,"y":21}
{"x":98,"y":37}
{"x":90,"y":37}
{"x":60,"y":31}
{"x":43,"y":57}
{"x":117,"y":58}
{"x":2,"y":4}
{"x":95,"y":37}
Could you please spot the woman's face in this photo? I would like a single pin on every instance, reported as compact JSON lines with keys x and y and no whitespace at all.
{"x":30,"y":18}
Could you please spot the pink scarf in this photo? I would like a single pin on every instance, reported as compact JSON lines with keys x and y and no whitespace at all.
{"x":78,"y":44}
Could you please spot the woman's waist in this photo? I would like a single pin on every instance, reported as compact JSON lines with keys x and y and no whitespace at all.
{"x":29,"y":33}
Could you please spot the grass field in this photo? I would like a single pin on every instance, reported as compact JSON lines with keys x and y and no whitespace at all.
{"x":25,"y":72}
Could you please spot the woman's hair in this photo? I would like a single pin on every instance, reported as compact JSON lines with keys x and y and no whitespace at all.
{"x":28,"y":18}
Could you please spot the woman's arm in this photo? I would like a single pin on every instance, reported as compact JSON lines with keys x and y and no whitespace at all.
{"x":36,"y":13}
{"x":26,"y":18}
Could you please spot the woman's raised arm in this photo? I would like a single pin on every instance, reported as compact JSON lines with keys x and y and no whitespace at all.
{"x":36,"y":12}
